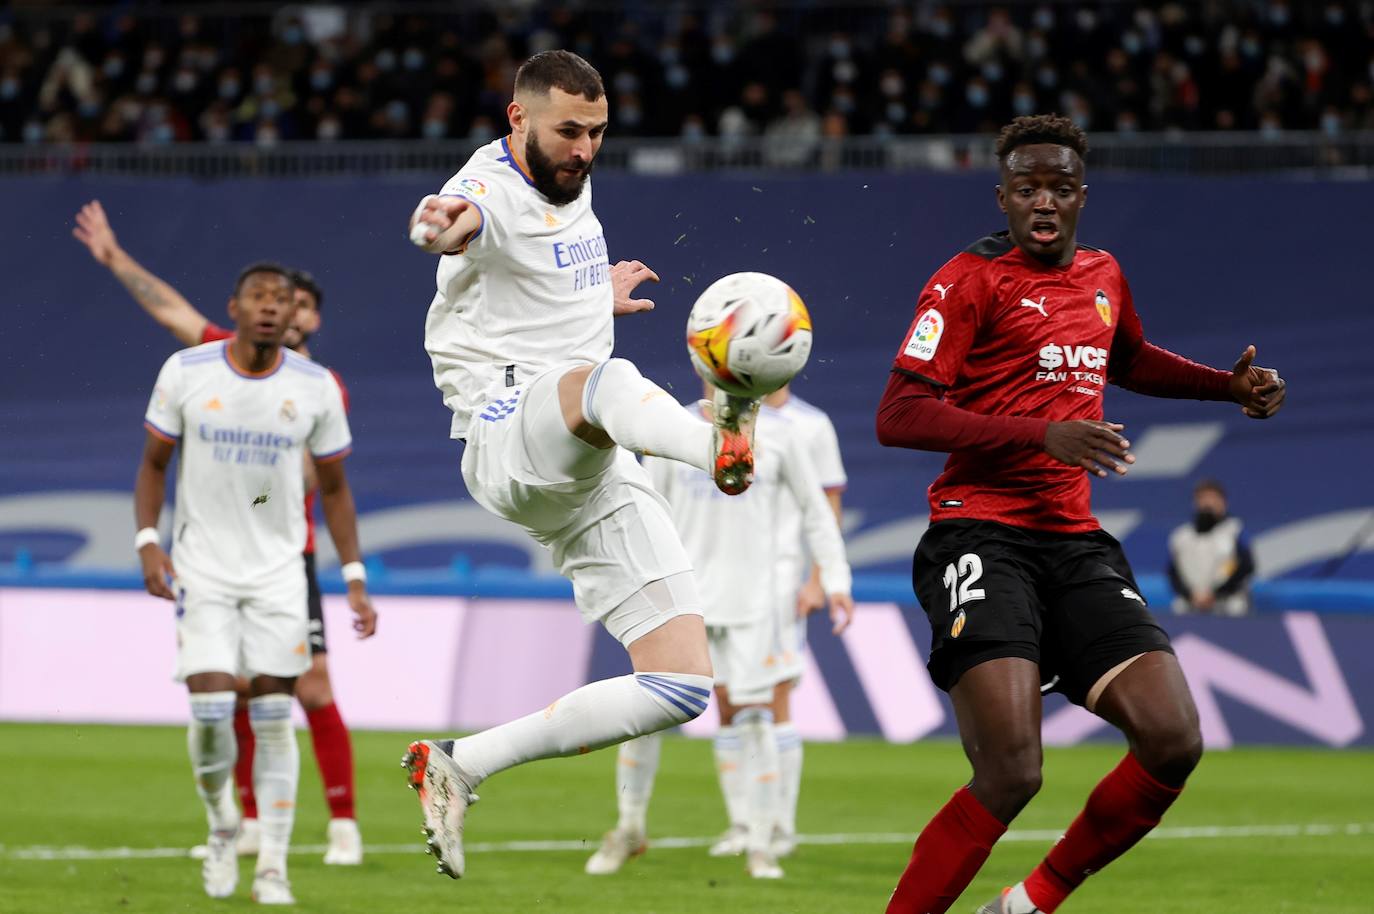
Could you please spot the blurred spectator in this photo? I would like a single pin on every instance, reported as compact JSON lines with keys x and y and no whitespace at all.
{"x":375,"y":71}
{"x":791,"y":140}
{"x":1210,"y":563}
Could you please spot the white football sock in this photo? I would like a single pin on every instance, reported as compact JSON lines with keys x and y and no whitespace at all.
{"x":730,"y":771}
{"x":642,"y":417}
{"x":790,"y":772}
{"x":635,"y":770}
{"x":760,"y":749}
{"x":214,"y":749}
{"x":276,"y":772}
{"x":598,"y":714}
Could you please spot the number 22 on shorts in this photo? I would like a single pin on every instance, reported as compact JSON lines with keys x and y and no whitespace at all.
{"x":960,"y":577}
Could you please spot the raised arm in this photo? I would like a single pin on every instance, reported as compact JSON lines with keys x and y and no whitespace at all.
{"x":163,"y":303}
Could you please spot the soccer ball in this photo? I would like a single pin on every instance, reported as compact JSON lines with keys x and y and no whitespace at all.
{"x":748,"y":334}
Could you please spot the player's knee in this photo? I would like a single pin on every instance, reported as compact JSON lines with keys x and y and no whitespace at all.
{"x":270,"y":717}
{"x":313,"y":689}
{"x":680,"y":696}
{"x":211,"y":708}
{"x":609,"y":377}
{"x":754,"y":716}
{"x":1171,"y":753}
{"x":1009,"y":781}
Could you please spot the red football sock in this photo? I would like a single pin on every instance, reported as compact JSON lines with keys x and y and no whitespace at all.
{"x":947,"y":855}
{"x":1121,"y":810}
{"x":243,"y":766}
{"x":334,"y":755}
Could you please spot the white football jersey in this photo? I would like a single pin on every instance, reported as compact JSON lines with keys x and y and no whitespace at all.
{"x":735,"y":541}
{"x":240,"y":472}
{"x":816,"y":434}
{"x":531,"y":289}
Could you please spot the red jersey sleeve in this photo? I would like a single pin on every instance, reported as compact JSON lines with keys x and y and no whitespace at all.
{"x":343,"y":390}
{"x":1138,"y":365}
{"x":213,"y":332}
{"x":946,"y":322}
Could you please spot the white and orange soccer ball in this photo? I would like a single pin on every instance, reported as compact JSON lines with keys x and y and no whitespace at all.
{"x":749,"y":334}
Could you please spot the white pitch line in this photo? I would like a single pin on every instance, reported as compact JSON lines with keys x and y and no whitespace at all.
{"x":1180,"y":833}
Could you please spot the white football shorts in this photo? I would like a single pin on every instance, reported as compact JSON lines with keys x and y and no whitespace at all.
{"x":749,"y":660}
{"x":257,"y":632}
{"x":595,"y":508}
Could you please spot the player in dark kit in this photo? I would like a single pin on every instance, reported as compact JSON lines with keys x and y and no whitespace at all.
{"x":1005,"y":366}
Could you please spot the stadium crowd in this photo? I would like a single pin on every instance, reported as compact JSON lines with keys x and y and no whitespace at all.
{"x":786,"y":72}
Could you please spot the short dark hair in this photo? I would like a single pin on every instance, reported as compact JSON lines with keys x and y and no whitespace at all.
{"x":1041,"y":128}
{"x":306,"y":283}
{"x":559,"y":70}
{"x":264,"y":266}
{"x":1209,"y":485}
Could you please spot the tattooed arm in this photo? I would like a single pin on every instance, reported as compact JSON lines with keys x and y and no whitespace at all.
{"x":163,"y":303}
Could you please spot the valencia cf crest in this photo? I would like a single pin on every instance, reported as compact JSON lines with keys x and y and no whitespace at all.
{"x":1104,"y":307}
{"x":959,"y":622}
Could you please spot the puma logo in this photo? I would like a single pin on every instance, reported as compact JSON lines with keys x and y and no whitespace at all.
{"x":943,"y":289}
{"x":1037,"y":305}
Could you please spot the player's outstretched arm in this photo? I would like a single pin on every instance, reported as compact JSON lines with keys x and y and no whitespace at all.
{"x":150,"y":487}
{"x":626,"y":276}
{"x":443,"y":224}
{"x":342,"y":517}
{"x":163,"y":303}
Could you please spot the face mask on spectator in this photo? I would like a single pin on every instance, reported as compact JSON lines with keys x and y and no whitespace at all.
{"x":264,"y":83}
{"x":386,"y":60}
{"x":722,"y":54}
{"x":216,"y":131}
{"x":146,"y":83}
{"x":1335,"y":15}
{"x":293,"y":34}
{"x":1331,"y":123}
{"x":939,"y":74}
{"x":1205,"y":520}
{"x":896,"y":112}
{"x":414,"y":59}
{"x":1278,"y":14}
{"x":1250,"y":47}
{"x":629,"y":115}
{"x":941,"y":28}
{"x":839,"y":48}
{"x":1036,"y":47}
{"x":434,"y":129}
{"x":321,"y":80}
{"x":1044,"y":18}
{"x":267,"y":135}
{"x":842,"y":102}
{"x":9,"y":88}
{"x":976,"y":95}
{"x":153,"y":58}
{"x":113,"y":67}
{"x":162,"y":133}
{"x":1194,"y":45}
{"x":184,"y":81}
{"x":229,"y":88}
{"x":270,"y":108}
{"x":992,"y":71}
{"x":677,"y":76}
{"x":33,"y":132}
{"x":1270,"y":128}
{"x":1023,"y":103}
{"x":328,"y":129}
{"x":1047,"y":77}
{"x":693,"y":130}
{"x":669,"y":55}
{"x":89,"y":109}
{"x":625,"y":81}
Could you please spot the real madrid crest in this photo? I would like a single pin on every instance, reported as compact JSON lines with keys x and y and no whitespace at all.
{"x":288,"y":411}
{"x":1104,"y":307}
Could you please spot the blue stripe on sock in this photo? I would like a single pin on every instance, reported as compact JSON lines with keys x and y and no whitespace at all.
{"x":700,"y":704}
{"x":663,"y":680}
{"x":592,"y":381}
{"x":668,"y":697}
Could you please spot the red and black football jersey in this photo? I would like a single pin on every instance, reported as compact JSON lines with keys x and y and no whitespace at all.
{"x":1004,"y":334}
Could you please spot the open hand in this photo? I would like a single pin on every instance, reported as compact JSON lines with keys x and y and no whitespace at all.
{"x":1259,"y":391}
{"x":93,"y":230}
{"x":625,"y":278}
{"x":1095,"y":446}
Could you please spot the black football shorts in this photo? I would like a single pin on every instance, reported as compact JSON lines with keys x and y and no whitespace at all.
{"x":1066,"y":601}
{"x":316,"y":607}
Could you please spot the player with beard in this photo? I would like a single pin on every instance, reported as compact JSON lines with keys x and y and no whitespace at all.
{"x":1005,"y":367}
{"x":520,"y":336}
{"x":329,"y":735}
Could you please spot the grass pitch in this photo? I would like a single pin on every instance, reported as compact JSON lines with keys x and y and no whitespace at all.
{"x":93,"y":819}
